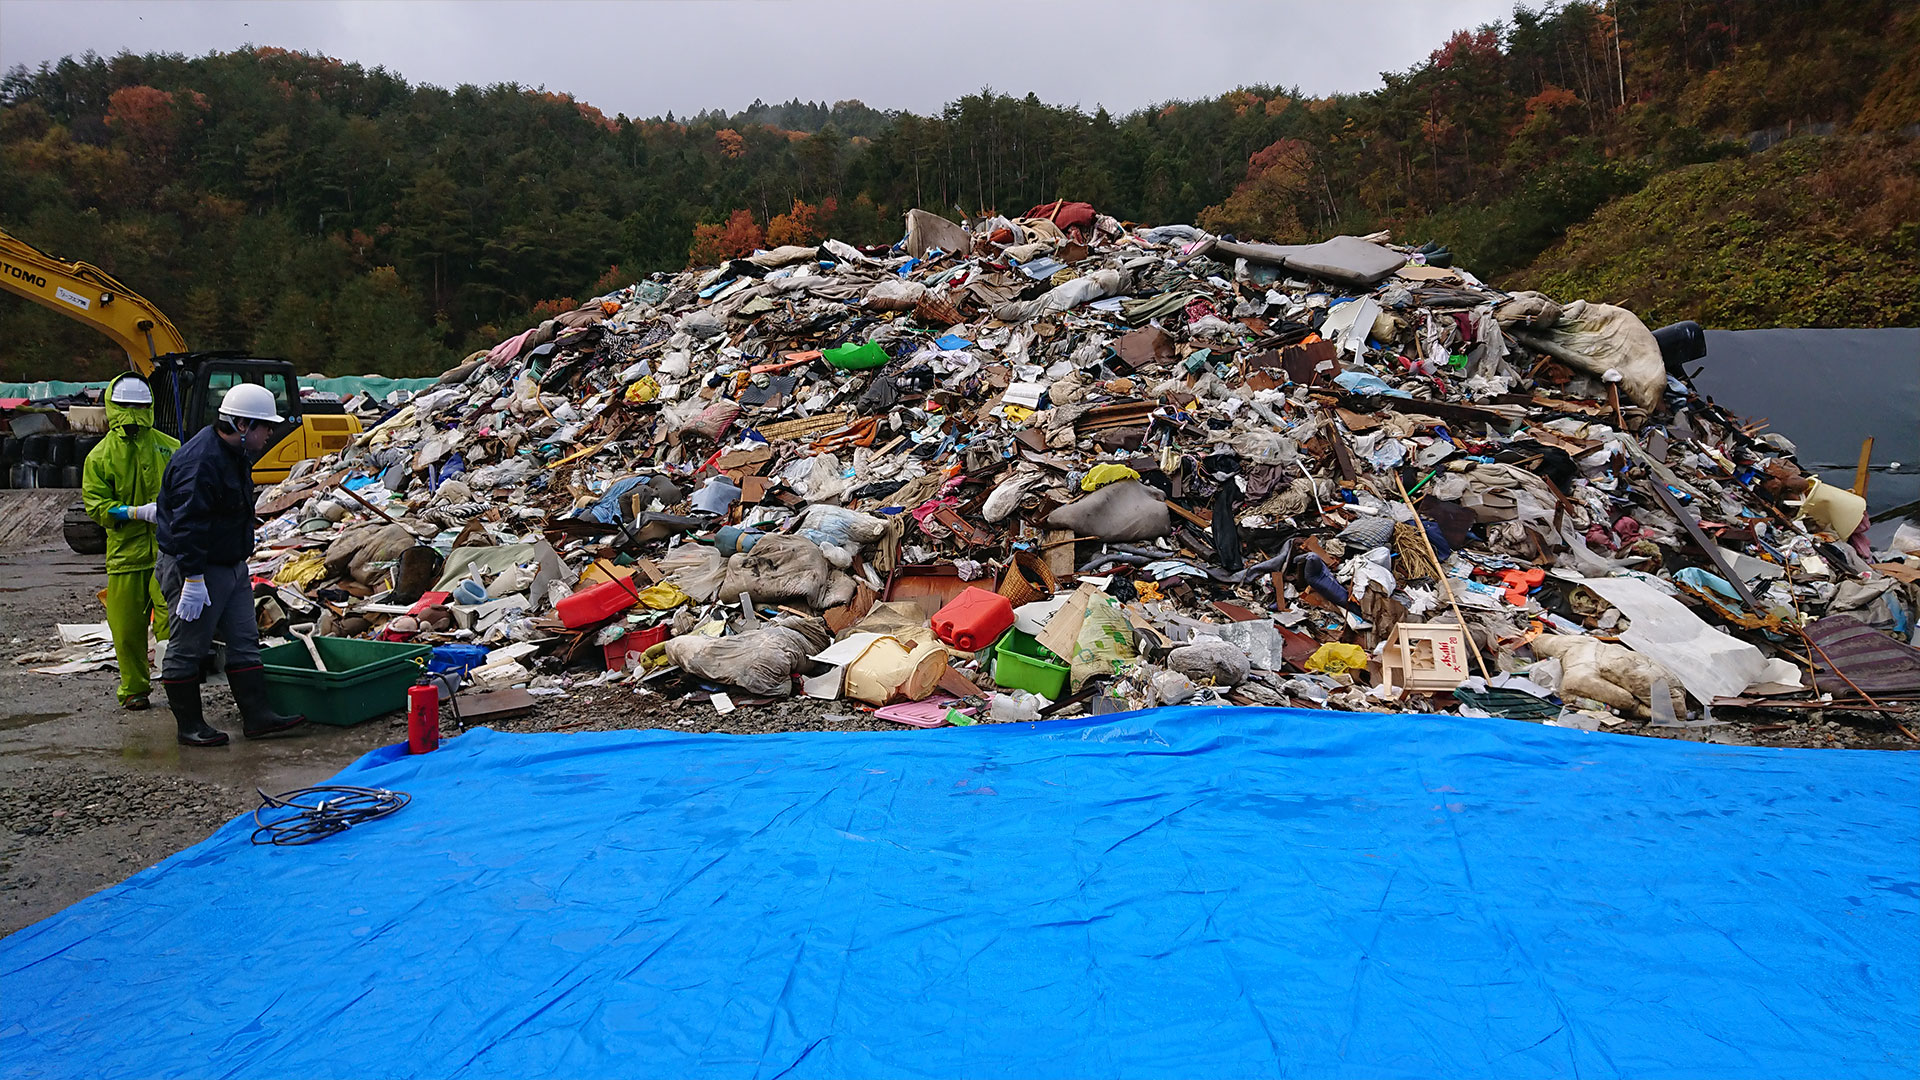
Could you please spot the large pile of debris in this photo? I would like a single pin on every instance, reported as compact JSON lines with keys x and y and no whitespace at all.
{"x":1028,"y":467}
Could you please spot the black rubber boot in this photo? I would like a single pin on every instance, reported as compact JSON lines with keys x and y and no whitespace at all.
{"x":249,"y":686}
{"x":183,"y":697}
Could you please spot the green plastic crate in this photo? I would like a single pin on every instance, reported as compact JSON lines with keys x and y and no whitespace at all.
{"x":364,"y":678}
{"x":1021,"y":663}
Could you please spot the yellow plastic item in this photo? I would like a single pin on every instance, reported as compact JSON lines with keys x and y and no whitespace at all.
{"x":892,"y":671}
{"x":1834,"y":508}
{"x":663,"y":596}
{"x":1101,"y":475}
{"x":602,"y":570}
{"x":643,"y":391}
{"x":1337,"y":658}
{"x":302,"y":570}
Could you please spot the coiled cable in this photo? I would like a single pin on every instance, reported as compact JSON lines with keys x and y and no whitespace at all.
{"x":321,"y":811}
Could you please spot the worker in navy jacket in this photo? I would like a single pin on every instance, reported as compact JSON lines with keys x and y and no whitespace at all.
{"x":205,"y":537}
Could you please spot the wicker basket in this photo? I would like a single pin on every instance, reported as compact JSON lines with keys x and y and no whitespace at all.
{"x":936,"y":312}
{"x":1029,"y":579}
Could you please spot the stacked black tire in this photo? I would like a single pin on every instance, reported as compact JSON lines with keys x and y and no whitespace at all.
{"x":48,"y":460}
{"x":83,"y":534}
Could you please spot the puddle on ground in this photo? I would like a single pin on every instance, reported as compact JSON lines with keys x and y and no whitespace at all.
{"x":20,"y":720}
{"x":145,"y":748}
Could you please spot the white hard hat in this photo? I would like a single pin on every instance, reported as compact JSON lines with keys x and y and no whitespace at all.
{"x":249,"y":401}
{"x":131,"y":390}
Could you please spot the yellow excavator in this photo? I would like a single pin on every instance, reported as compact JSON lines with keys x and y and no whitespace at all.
{"x":187,"y":386}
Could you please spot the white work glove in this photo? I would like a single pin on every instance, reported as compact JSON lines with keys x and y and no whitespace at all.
{"x":193,"y":598}
{"x":147,"y":512}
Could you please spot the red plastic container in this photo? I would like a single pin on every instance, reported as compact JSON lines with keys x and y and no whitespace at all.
{"x":598,"y":604}
{"x":423,"y":719}
{"x":972,"y":620}
{"x":638,"y":641}
{"x":427,"y":600}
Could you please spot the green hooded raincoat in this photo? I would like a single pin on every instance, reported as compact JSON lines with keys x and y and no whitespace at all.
{"x":124,"y":470}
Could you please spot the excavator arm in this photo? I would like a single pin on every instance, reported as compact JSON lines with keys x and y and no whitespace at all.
{"x":90,"y":295}
{"x":189,"y":386}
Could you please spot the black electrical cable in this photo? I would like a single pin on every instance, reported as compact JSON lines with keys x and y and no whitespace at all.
{"x":449,"y":681}
{"x":333,"y":808}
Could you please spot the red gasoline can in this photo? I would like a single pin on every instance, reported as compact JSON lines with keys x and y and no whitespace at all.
{"x":972,"y":620}
{"x":423,"y":719}
{"x":598,"y":603}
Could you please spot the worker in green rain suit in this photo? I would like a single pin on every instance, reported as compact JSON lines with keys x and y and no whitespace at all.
{"x":119,"y":485}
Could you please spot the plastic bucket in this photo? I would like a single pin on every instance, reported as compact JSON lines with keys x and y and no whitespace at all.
{"x":635,"y":642}
{"x":364,"y":678}
{"x":1022,"y":663}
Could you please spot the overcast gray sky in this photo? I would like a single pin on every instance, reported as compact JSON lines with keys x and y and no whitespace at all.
{"x":646,"y":58}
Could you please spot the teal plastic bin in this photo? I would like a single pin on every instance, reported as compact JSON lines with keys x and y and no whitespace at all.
{"x":363,"y":678}
{"x":1021,"y":663}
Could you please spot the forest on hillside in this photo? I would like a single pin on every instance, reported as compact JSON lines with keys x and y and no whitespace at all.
{"x":307,"y":207}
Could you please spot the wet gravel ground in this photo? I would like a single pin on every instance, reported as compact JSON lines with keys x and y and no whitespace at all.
{"x":49,"y":801}
{"x":1811,"y":729}
{"x":613,"y":707}
{"x":66,"y":833}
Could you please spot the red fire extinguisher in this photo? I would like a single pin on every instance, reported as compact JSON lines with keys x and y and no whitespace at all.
{"x":423,"y":719}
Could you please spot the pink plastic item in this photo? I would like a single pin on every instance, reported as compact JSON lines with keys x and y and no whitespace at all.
{"x":930,"y":713}
{"x":973,"y":620}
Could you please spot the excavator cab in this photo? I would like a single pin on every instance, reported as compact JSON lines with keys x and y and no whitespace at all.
{"x":188,"y":389}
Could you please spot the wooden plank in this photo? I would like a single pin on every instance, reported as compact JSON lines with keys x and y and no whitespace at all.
{"x":1204,"y":522}
{"x":957,"y":684}
{"x":1059,"y":546}
{"x":479,"y":708}
{"x":1342,"y":458}
{"x":1700,"y":538}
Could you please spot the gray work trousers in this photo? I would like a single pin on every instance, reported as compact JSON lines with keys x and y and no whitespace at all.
{"x":228,"y":616}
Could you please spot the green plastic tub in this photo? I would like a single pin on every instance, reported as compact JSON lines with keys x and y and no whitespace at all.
{"x":1021,"y":663}
{"x":363,"y":678}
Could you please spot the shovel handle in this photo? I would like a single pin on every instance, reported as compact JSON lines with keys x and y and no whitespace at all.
{"x":304,"y":631}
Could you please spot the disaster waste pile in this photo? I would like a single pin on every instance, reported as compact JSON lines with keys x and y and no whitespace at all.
{"x":1055,"y":465}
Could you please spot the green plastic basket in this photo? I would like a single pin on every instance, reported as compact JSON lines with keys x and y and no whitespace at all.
{"x":364,"y":678}
{"x":1021,"y":663}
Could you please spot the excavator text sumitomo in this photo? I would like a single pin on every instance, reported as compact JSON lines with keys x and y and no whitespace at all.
{"x":187,"y":386}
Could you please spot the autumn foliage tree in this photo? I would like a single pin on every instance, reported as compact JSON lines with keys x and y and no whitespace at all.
{"x":739,"y":237}
{"x":1267,"y":204}
{"x":149,"y":122}
{"x":797,"y":226}
{"x":611,"y":280}
{"x":1544,"y":122}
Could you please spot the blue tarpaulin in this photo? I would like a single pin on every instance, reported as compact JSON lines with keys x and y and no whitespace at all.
{"x":1187,"y":892}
